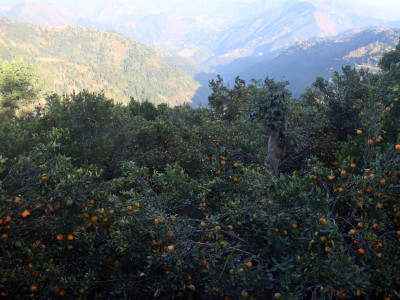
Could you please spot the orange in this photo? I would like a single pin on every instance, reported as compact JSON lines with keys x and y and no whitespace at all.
{"x":70,"y":237}
{"x":249,"y":265}
{"x":361,"y":251}
{"x":331,"y":177}
{"x":59,"y":237}
{"x":322,"y":221}
{"x":352,"y":231}
{"x":244,"y":294}
{"x":343,"y":172}
{"x":45,"y":177}
{"x":25,"y":214}
{"x":397,"y":147}
{"x":352,"y":165}
{"x":33,"y":288}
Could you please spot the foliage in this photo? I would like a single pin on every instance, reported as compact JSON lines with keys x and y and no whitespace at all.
{"x":101,"y":200}
{"x":19,"y":84}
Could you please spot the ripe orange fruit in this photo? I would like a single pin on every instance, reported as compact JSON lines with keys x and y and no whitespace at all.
{"x":249,"y":265}
{"x":379,"y":255}
{"x":59,"y":237}
{"x":359,"y":131}
{"x":331,"y":177}
{"x":25,"y":214}
{"x":370,"y":142}
{"x":93,"y":219}
{"x":137,"y":204}
{"x":358,"y":293}
{"x":328,"y":249}
{"x":352,"y":231}
{"x":33,"y":288}
{"x":382,"y":181}
{"x":322,"y":221}
{"x":129,"y":208}
{"x":244,"y":294}
{"x":397,"y":147}
{"x":171,"y":248}
{"x":45,"y":177}
{"x":361,"y":251}
{"x":352,"y":165}
{"x":70,"y":237}
{"x":359,"y":225}
{"x":343,"y":172}
{"x":277,"y":296}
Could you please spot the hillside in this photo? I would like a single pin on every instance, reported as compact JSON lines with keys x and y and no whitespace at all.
{"x":213,"y":32}
{"x":72,"y":58}
{"x":302,"y":63}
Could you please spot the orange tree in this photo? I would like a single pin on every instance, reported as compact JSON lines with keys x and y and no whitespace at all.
{"x":147,"y":201}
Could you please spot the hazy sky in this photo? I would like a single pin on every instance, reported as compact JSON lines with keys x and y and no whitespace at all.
{"x":391,"y":7}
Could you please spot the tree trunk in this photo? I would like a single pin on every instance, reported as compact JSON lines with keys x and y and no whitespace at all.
{"x":274,"y":152}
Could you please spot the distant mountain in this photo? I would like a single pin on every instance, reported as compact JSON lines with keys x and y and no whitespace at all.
{"x":224,"y":36}
{"x":209,"y":31}
{"x":302,"y":63}
{"x":72,"y":58}
{"x":44,"y":14}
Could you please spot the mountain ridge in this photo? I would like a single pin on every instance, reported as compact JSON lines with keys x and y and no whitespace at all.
{"x":74,"y":57}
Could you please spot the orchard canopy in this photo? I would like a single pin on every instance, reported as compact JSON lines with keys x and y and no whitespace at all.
{"x":257,"y":196}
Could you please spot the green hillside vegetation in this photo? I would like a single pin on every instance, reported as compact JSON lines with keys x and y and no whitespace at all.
{"x":301,"y":63}
{"x":73,"y":58}
{"x":259,"y":196}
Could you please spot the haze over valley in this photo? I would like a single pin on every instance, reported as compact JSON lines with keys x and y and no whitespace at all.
{"x":203,"y":38}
